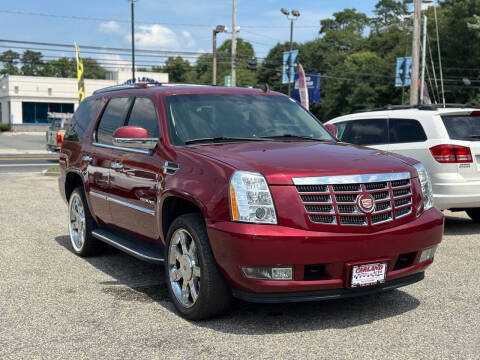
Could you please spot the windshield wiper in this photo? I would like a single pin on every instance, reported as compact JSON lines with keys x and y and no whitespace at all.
{"x":221,"y":139}
{"x":474,"y":136}
{"x":292,"y":137}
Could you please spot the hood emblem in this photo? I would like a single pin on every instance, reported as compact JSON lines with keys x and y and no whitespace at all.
{"x":366,"y":203}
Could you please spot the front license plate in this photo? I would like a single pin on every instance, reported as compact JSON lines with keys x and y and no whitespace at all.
{"x":368,"y":274}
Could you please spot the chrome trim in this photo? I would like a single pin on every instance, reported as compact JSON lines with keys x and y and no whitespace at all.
{"x":403,"y":215}
{"x":132,"y":206}
{"x":170,"y":168}
{"x":121,"y":202}
{"x":107,"y":146}
{"x":350,"y":179}
{"x":97,"y":194}
{"x":136,"y":143}
{"x":87,"y":158}
{"x":116,"y":165}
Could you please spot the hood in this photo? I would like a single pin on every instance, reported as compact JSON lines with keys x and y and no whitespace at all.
{"x":279,"y":161}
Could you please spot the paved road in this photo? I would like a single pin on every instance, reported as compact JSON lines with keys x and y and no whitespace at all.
{"x":27,"y":163}
{"x":27,"y":143}
{"x":54,"y":304}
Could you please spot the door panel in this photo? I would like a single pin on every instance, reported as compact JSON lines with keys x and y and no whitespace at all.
{"x":134,"y":180}
{"x":97,"y":163}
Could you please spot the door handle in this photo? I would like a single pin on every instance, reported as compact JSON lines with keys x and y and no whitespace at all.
{"x":116,"y":165}
{"x":87,"y":158}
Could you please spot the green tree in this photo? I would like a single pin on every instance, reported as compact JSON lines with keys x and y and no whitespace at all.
{"x":92,"y":69}
{"x":388,"y":13}
{"x":10,"y":60}
{"x":178,"y":69}
{"x":32,"y":63}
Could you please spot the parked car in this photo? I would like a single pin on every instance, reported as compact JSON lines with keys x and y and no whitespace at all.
{"x":241,"y":192}
{"x":59,"y":122}
{"x":445,"y":140}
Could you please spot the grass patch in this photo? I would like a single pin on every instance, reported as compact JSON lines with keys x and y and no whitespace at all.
{"x":53,"y":169}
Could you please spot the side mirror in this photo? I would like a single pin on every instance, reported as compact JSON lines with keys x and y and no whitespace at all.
{"x":133,"y":137}
{"x":332,"y":129}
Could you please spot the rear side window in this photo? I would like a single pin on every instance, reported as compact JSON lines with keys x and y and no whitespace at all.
{"x":462,"y":127}
{"x":113,"y":118}
{"x":144,"y":115}
{"x":366,"y":132}
{"x":406,"y":130}
{"x":85,"y":113}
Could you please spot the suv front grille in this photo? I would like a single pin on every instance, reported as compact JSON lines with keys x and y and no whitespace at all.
{"x":337,"y":202}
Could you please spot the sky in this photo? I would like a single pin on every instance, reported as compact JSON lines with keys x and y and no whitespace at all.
{"x":180,"y":25}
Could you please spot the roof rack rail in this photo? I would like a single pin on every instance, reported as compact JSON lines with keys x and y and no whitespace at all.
{"x":431,"y":107}
{"x":140,"y":85}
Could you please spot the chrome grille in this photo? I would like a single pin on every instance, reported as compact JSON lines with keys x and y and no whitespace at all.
{"x":333,"y":200}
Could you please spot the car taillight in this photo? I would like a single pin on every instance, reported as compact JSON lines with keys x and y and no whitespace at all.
{"x":451,"y":154}
{"x":59,"y":139}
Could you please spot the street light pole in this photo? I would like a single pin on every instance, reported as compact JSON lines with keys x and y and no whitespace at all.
{"x":218,"y":29}
{"x":234,"y":43}
{"x":415,"y":52}
{"x":295,"y":14}
{"x":132,"y":8}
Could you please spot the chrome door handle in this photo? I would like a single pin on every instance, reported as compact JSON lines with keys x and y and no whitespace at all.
{"x":116,"y":165}
{"x":87,"y":158}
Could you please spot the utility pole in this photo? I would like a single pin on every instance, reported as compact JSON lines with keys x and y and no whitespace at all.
{"x":218,"y":29}
{"x":132,"y":8}
{"x":424,"y":52}
{"x":415,"y":51}
{"x":234,"y":43}
{"x":290,"y":59}
{"x":405,"y":68}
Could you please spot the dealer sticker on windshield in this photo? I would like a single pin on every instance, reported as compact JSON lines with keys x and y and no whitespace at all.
{"x":368,"y":274}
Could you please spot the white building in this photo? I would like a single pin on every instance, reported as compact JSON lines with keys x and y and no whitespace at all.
{"x":27,"y":99}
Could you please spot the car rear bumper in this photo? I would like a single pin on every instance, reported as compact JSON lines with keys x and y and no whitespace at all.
{"x":235,"y":245}
{"x":327,"y":294}
{"x":456,"y":195}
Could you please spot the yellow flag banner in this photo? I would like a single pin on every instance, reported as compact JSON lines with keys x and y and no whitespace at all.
{"x":81,"y":83}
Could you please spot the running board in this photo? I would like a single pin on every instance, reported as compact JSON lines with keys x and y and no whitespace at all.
{"x":137,"y":248}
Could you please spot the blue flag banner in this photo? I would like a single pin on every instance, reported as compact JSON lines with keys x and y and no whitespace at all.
{"x":289,"y":58}
{"x":403,"y":71}
{"x":313,"y":86}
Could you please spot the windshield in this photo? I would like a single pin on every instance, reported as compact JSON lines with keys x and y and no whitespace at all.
{"x":239,"y":117}
{"x":462,"y":127}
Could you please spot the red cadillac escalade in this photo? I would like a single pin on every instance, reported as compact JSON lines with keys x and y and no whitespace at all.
{"x":242,"y":193}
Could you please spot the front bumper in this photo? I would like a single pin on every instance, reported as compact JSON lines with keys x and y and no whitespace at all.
{"x":236,"y":244}
{"x":327,"y":294}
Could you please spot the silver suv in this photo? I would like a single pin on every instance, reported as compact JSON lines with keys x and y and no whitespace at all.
{"x":445,"y":140}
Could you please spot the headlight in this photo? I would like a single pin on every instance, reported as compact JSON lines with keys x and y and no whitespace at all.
{"x":250,"y":199}
{"x":426,"y":186}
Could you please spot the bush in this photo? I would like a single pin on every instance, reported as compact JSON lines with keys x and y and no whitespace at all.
{"x":4,"y":127}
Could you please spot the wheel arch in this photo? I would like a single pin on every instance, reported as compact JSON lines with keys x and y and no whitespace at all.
{"x":72,"y":181}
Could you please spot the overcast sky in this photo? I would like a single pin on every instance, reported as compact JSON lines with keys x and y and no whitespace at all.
{"x":166,"y":25}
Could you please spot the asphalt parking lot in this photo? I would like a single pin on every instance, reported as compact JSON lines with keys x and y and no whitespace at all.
{"x":54,"y":304}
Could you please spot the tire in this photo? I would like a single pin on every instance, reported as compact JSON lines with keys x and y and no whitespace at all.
{"x":81,"y":224}
{"x":192,"y":271}
{"x":474,"y":214}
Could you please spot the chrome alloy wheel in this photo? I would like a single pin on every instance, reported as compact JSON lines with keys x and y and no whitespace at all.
{"x":76,"y":222}
{"x":183,"y":268}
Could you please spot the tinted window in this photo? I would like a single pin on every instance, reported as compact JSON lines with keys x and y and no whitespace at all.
{"x":406,"y":130}
{"x":366,"y":132}
{"x":198,"y":116}
{"x":85,"y":113}
{"x":113,"y":117}
{"x":144,"y":115}
{"x":462,"y":127}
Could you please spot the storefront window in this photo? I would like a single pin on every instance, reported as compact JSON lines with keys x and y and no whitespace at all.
{"x":36,"y":112}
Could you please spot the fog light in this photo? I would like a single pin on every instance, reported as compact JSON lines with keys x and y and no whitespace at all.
{"x":427,"y":254}
{"x":268,"y":273}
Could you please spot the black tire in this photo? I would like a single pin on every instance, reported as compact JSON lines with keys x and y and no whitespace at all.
{"x":474,"y":214}
{"x":90,"y":245}
{"x":214,"y":294}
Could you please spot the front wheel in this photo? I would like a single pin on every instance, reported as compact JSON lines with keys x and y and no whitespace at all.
{"x":474,"y":214}
{"x":195,"y":284}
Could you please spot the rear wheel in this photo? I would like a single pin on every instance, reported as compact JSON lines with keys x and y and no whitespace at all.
{"x":195,"y":284}
{"x":81,"y":224}
{"x":474,"y":214}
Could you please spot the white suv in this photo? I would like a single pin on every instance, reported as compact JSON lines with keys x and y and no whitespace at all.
{"x":445,"y":140}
